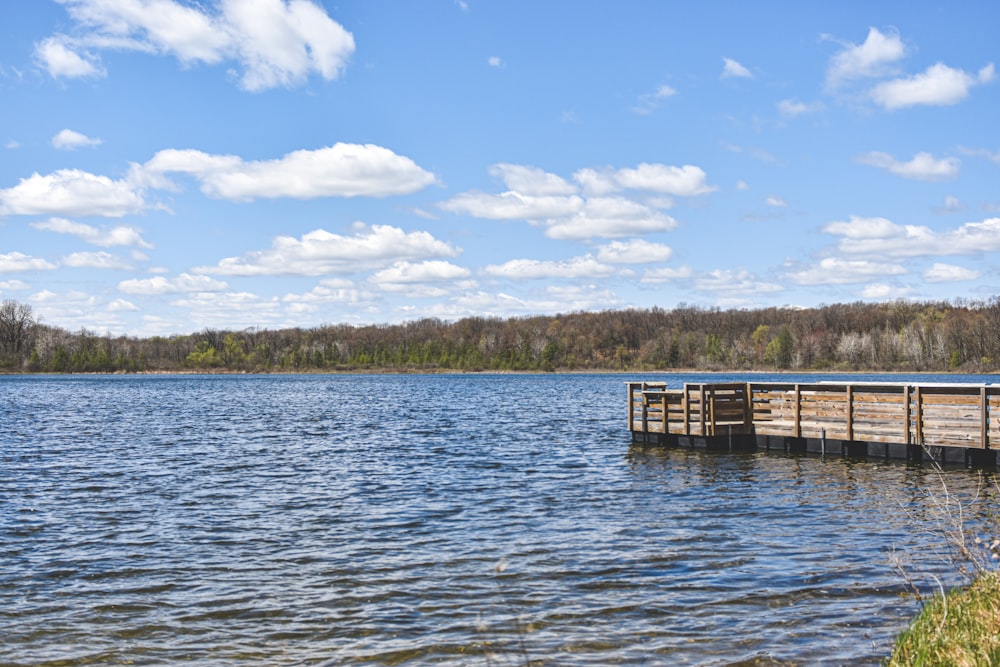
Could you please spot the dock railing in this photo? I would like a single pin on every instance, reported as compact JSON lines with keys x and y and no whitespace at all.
{"x":935,"y":415}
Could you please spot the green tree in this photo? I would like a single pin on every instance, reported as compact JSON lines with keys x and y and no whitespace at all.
{"x":780,"y":348}
{"x":204,"y":355}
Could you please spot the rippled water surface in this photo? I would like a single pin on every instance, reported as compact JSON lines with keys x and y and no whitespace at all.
{"x":461,"y":520}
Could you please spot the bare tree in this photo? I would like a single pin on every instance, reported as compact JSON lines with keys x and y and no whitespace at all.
{"x":16,"y":325}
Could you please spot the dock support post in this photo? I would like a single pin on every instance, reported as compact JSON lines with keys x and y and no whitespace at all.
{"x":822,"y":442}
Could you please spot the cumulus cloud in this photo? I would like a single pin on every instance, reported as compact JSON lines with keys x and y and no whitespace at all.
{"x":531,"y":181}
{"x":549,"y":200}
{"x":330,"y":290}
{"x":923,"y":166}
{"x":533,"y":269}
{"x":320,"y":252}
{"x":883,"y":292}
{"x":95,"y":260}
{"x":733,"y":69}
{"x":939,"y":85}
{"x":185,"y":282}
{"x":70,"y":140}
{"x":685,"y":181}
{"x":71,"y":192}
{"x":946,"y":273}
{"x":433,"y":278}
{"x":875,"y":57}
{"x":341,"y":170}
{"x":106,"y":238}
{"x":734,"y":282}
{"x":637,"y":251}
{"x":229,"y":310}
{"x":121,"y":305}
{"x":775,"y":202}
{"x":64,"y":57}
{"x":609,"y":217}
{"x":17,"y":262}
{"x":276,"y":43}
{"x":512,"y":206}
{"x":667,"y":274}
{"x":410,"y":273}
{"x":839,"y":271}
{"x":882,"y":238}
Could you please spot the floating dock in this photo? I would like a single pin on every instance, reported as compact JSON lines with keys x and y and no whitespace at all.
{"x":949,"y":423}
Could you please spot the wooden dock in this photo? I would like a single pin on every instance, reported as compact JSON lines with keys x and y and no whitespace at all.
{"x":952,"y":423}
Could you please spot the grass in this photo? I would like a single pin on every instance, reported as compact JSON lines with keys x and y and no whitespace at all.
{"x":961,"y":628}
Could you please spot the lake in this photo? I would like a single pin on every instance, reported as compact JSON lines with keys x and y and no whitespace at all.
{"x":436,"y":519}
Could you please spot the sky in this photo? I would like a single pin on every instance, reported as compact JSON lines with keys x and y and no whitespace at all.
{"x":168,"y":166}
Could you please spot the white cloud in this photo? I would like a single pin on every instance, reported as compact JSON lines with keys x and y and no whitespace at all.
{"x":71,"y":192}
{"x":276,"y":42}
{"x":923,"y":166}
{"x":734,"y":282}
{"x":939,"y":85}
{"x":776,"y":202}
{"x":548,"y":200}
{"x":319,"y":252}
{"x":430,"y":279}
{"x":838,"y":271}
{"x":981,"y":152}
{"x":636,"y":251}
{"x":944,"y":273}
{"x":95,"y":260}
{"x":733,"y":69}
{"x":686,"y":181}
{"x":952,"y":204}
{"x":17,"y":262}
{"x":73,"y":310}
{"x":512,"y":206}
{"x":873,"y":58}
{"x":532,"y":269}
{"x":13,"y":285}
{"x":649,"y":102}
{"x":71,"y":140}
{"x":330,"y":290}
{"x":401,"y":274}
{"x":495,"y":61}
{"x":667,"y":274}
{"x":531,"y":181}
{"x":609,"y":217}
{"x":881,"y":238}
{"x":883,"y":292}
{"x":105,"y":238}
{"x":229,"y":310}
{"x":121,"y":305}
{"x":793,"y":108}
{"x":341,"y":170}
{"x":185,"y":282}
{"x":62,"y":58}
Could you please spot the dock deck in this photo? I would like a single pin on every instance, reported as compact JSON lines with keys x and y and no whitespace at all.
{"x":953,"y":422}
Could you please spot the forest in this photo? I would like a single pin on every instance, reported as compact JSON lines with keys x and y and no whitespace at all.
{"x":950,"y":336}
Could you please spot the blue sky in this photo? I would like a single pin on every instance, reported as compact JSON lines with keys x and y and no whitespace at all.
{"x":170,"y":165}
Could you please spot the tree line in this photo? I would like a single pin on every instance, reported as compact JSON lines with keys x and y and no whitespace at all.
{"x":960,"y":335}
